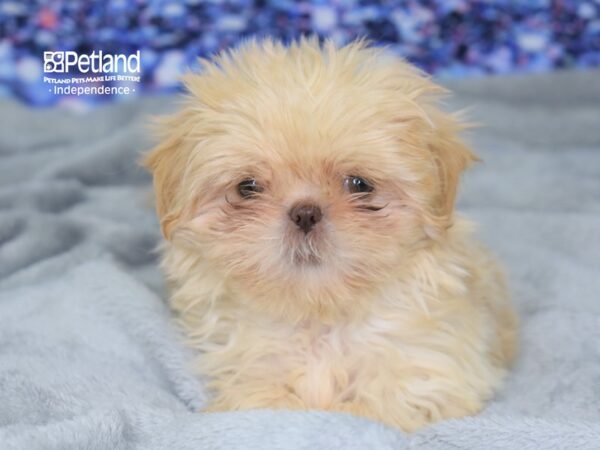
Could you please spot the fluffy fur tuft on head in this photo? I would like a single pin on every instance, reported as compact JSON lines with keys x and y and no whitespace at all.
{"x":308,"y":190}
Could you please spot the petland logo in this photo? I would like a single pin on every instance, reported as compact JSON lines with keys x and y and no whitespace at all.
{"x":97,"y":74}
{"x":96,"y":62}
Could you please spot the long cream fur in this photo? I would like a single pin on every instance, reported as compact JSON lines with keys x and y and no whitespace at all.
{"x":388,"y":309}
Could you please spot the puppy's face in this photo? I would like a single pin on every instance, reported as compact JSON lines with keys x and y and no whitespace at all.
{"x":305,"y":177}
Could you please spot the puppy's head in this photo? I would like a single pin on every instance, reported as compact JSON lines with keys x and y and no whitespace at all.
{"x":306,"y":175}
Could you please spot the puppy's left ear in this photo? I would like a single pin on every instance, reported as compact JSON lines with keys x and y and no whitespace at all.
{"x":452,"y":157}
{"x":167,"y":162}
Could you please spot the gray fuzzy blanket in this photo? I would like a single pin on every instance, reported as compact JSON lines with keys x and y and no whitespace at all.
{"x":89,"y":359}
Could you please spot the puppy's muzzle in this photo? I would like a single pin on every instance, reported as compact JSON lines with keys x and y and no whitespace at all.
{"x":305,"y":216}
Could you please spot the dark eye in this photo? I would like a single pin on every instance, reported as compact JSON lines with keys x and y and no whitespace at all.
{"x":248,"y":188}
{"x":357,"y":185}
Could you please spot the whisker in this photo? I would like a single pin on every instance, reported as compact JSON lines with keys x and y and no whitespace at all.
{"x":233,"y":205}
{"x":373,"y":208}
{"x":360,"y":196}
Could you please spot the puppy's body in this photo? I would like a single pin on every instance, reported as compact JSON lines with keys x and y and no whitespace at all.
{"x":381,"y":304}
{"x":433,"y":344}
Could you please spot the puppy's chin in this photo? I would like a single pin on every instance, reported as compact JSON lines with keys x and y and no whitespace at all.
{"x":306,"y":258}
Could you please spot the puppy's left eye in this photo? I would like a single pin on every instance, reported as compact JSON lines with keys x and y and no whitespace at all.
{"x":249,"y":187}
{"x":357,"y":185}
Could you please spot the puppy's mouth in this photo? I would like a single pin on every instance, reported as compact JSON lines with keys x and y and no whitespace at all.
{"x":306,"y":251}
{"x":302,"y":258}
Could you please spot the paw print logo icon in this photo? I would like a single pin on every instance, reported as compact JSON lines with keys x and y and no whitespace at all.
{"x":54,"y":62}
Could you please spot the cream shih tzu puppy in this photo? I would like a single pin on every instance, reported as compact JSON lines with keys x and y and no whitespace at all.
{"x":306,"y":197}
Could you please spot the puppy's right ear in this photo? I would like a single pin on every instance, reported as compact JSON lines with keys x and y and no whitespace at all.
{"x":167,"y":162}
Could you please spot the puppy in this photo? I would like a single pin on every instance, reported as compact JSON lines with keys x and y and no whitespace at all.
{"x":306,"y":196}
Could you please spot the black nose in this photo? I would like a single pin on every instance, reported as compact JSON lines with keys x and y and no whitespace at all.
{"x":305,"y":216}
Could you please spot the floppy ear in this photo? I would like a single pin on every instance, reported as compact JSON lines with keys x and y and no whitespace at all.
{"x":451,"y":157}
{"x":167,"y":163}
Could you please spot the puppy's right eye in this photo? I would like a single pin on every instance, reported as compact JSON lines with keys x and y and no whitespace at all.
{"x":357,"y":185}
{"x":249,"y":187}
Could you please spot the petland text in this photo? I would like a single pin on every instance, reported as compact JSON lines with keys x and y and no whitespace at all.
{"x":96,"y":62}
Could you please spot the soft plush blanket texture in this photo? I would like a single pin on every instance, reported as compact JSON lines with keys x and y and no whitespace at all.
{"x":89,"y":358}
